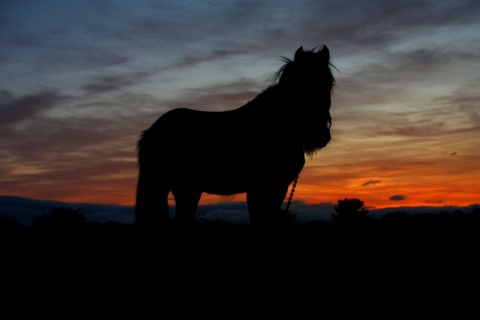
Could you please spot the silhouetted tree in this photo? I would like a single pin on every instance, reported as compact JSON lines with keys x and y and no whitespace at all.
{"x":350,"y":211}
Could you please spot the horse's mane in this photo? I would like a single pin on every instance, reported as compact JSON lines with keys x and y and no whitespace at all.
{"x":289,"y":62}
{"x":286,"y":62}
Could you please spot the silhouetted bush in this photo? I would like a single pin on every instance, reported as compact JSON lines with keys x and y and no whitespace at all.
{"x":9,"y":224}
{"x":471,"y":218}
{"x":394,"y":217}
{"x":433,"y":220}
{"x":60,"y":217}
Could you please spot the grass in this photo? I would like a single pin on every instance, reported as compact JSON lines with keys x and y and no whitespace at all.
{"x":218,"y":270}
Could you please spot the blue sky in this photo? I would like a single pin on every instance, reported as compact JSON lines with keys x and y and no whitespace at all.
{"x":79,"y":81}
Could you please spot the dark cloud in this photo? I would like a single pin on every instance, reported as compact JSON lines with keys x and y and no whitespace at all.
{"x":398,"y":197}
{"x":61,"y":53}
{"x":463,"y":103}
{"x":224,"y":96}
{"x":409,"y":67}
{"x":110,"y":83}
{"x":13,"y":109}
{"x":192,"y":59}
{"x":411,"y":130}
{"x":74,"y":154}
{"x":371,"y":182}
{"x":78,"y":59}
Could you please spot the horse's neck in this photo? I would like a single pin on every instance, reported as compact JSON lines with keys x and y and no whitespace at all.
{"x":272,"y":106}
{"x":268,"y":100}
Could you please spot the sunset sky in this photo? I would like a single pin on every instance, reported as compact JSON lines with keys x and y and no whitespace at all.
{"x":80,"y":80}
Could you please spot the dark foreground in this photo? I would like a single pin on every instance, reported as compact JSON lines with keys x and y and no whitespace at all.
{"x":221,"y":271}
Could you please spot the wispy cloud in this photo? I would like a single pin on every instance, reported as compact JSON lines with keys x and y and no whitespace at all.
{"x":371,"y":182}
{"x":15,"y":109}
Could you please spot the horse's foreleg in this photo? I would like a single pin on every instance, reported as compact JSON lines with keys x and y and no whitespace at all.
{"x":264,"y":204}
{"x":186,"y":204}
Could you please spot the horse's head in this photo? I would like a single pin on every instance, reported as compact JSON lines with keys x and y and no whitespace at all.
{"x":308,"y":83}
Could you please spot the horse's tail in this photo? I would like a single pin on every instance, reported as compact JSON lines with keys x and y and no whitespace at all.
{"x":151,"y":203}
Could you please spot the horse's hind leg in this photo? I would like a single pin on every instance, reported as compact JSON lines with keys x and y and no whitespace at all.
{"x":186,"y":204}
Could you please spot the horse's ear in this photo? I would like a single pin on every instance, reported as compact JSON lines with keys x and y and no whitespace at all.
{"x":324,"y":53}
{"x":298,"y":53}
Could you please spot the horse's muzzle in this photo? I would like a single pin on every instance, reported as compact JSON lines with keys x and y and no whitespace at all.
{"x":324,"y":139}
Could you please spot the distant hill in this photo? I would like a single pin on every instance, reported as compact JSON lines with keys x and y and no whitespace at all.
{"x":25,"y":209}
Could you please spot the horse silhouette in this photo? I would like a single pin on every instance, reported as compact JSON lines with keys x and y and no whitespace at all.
{"x":257,"y":149}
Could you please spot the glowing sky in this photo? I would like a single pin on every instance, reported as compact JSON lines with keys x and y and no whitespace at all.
{"x":79,"y":81}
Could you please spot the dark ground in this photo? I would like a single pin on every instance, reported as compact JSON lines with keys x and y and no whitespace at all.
{"x":221,"y":271}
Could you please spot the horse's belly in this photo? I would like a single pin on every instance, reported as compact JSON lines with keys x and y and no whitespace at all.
{"x":228,"y":171}
{"x":226,"y":184}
